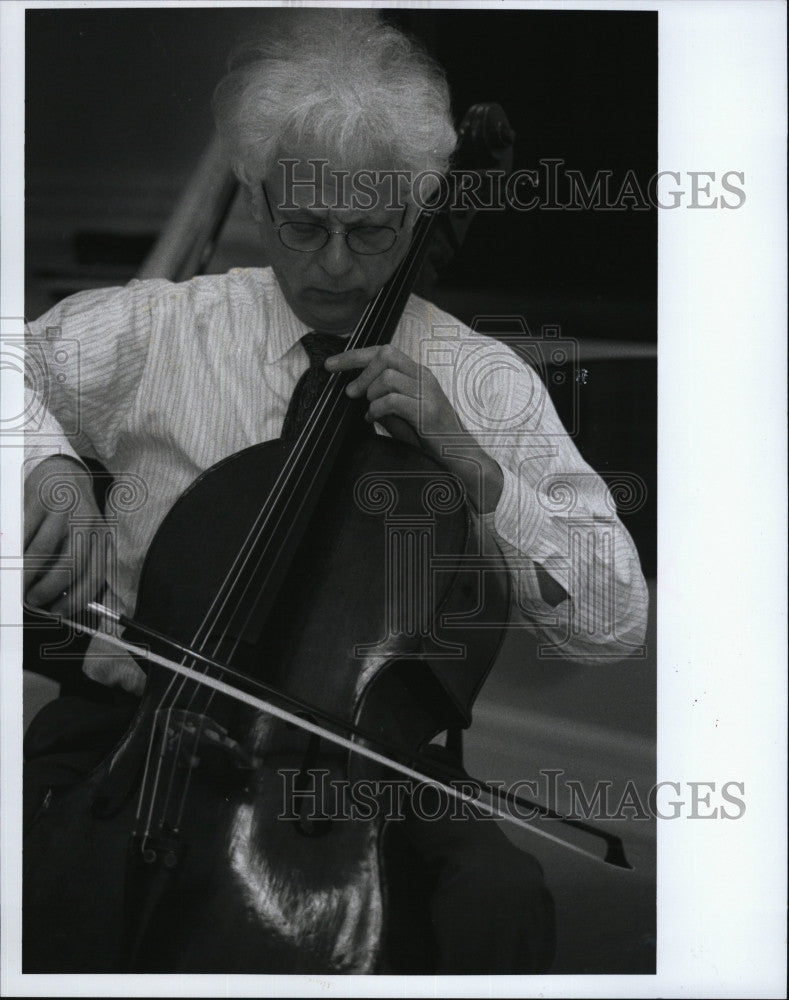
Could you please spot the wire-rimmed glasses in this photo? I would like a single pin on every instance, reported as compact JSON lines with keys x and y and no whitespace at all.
{"x":307,"y":237}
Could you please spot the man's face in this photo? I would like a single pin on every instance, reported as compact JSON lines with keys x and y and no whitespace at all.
{"x":328,"y":288}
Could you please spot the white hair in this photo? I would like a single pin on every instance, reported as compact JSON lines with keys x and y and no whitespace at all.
{"x":334,"y":84}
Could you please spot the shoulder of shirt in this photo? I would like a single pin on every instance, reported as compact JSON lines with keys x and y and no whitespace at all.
{"x":201,"y":293}
{"x":205,"y":290}
{"x":424,"y":319}
{"x":433,"y":320}
{"x":424,"y":325}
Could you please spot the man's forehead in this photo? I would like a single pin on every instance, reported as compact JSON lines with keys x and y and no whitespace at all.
{"x":319,"y":185}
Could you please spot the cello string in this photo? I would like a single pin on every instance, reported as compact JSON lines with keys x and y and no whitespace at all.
{"x":272,"y":520}
{"x":330,"y":399}
{"x":298,"y":456}
{"x":175,"y":692}
{"x":300,"y":461}
{"x":378,"y":310}
{"x":294,"y":468}
{"x":160,"y":763}
{"x":325,"y":410}
{"x":382,"y":307}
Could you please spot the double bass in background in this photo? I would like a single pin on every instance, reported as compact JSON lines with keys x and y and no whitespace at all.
{"x":285,"y":547}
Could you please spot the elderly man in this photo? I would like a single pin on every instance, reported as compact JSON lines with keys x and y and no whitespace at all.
{"x":174,"y":378}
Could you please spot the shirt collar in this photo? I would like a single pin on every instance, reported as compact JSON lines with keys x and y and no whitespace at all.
{"x":282,"y":325}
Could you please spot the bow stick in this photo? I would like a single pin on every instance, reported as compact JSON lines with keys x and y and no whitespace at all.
{"x":385,"y":756}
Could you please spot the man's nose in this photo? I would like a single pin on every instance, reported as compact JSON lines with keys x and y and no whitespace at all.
{"x":336,"y":257}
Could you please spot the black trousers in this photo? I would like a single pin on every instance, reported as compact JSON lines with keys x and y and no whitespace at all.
{"x":484,"y":905}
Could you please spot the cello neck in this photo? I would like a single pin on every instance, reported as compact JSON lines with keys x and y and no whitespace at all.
{"x":287,"y":512}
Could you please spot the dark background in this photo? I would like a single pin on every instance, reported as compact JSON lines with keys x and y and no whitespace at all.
{"x":117,"y":113}
{"x":125,"y":94}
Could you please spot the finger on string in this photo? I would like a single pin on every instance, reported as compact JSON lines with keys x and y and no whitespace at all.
{"x":390,"y":380}
{"x":394,"y":405}
{"x":374,"y":360}
{"x":346,"y":361}
{"x":380,"y":369}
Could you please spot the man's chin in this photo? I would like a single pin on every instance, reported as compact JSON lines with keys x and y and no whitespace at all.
{"x":332,"y":312}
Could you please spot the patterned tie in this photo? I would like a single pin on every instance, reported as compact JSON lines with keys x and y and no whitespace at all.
{"x":318,"y":346}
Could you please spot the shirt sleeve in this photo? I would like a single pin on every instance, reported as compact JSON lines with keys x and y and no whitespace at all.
{"x":84,"y":361}
{"x":555,"y":513}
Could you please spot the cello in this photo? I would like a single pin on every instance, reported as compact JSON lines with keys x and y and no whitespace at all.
{"x":180,"y":826}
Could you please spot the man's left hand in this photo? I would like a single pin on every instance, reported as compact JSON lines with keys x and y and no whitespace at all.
{"x":396,"y":386}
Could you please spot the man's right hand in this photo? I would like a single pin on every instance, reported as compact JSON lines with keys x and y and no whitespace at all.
{"x":57,"y":579}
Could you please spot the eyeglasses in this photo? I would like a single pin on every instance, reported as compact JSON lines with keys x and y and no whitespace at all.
{"x":307,"y":237}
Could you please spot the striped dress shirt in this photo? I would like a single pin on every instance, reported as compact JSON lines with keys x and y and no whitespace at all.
{"x":159,"y":381}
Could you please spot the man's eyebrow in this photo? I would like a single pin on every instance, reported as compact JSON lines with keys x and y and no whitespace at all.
{"x":323,"y":215}
{"x":293,"y":208}
{"x":310,"y":214}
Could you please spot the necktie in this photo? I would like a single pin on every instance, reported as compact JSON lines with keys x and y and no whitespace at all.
{"x":318,"y":346}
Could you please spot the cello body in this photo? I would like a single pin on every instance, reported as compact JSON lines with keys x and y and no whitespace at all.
{"x":216,"y":838}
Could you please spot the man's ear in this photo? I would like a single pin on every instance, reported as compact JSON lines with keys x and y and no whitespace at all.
{"x":252,"y":191}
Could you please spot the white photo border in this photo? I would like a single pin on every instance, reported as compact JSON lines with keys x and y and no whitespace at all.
{"x":722,"y":530}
